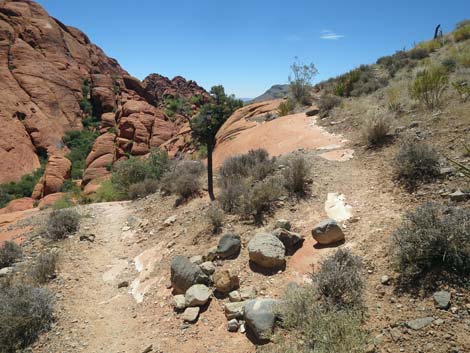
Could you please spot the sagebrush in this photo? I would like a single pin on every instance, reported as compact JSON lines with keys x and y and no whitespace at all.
{"x":62,"y":223}
{"x":10,"y":252}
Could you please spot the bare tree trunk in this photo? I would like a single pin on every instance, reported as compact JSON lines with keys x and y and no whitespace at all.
{"x":210,"y":184}
{"x":436,"y":31}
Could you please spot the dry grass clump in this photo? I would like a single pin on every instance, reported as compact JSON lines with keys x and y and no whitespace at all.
{"x":25,"y":312}
{"x":415,"y":162}
{"x":62,"y":223}
{"x":183,"y":178}
{"x":10,"y":252}
{"x":429,"y":85}
{"x":376,"y":130}
{"x":296,"y":174}
{"x":215,"y":217}
{"x":326,"y":103}
{"x":433,"y":238}
{"x":143,"y":188}
{"x":43,"y":267}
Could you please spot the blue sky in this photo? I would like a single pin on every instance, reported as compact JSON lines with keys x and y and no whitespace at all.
{"x":248,"y":45}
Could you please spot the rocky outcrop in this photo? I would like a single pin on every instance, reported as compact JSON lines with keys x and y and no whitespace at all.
{"x":56,"y":172}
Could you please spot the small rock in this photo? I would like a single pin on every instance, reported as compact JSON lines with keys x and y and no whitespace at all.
{"x":267,"y":251}
{"x":191,"y":314}
{"x":234,"y":310}
{"x":438,"y":322}
{"x":225,"y":280}
{"x":292,"y":241}
{"x":385,"y":280}
{"x":413,"y":124}
{"x":197,"y":295}
{"x":248,"y":292}
{"x":179,"y":302}
{"x":196,"y":259}
{"x":418,"y":324}
{"x":446,"y":171}
{"x":283,"y":224}
{"x":169,"y":221}
{"x":123,"y":284}
{"x":211,"y":254}
{"x":327,"y":232}
{"x":459,"y":196}
{"x":6,"y":271}
{"x":442,"y":299}
{"x":229,"y":246}
{"x":233,"y":325}
{"x":234,"y":296}
{"x":208,"y":267}
{"x":148,"y":349}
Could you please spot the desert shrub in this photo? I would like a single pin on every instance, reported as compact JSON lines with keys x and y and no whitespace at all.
{"x":429,"y":85}
{"x":215,"y":217}
{"x":183,"y":178}
{"x":463,"y":89}
{"x":255,"y":164}
{"x":107,"y":192}
{"x":175,"y":105}
{"x":415,"y":162}
{"x":316,"y":327}
{"x":64,"y":202}
{"x":418,"y":53}
{"x":296,"y":174}
{"x":260,"y":199}
{"x":376,"y":130}
{"x":433,"y":238}
{"x":80,"y":144}
{"x":231,"y":194}
{"x":395,"y":62}
{"x":358,"y":82}
{"x":43,"y":268}
{"x":62,"y":223}
{"x":430,"y":45}
{"x":25,"y":311}
{"x":462,"y":32}
{"x":339,"y":281}
{"x":300,"y":82}
{"x":326,"y":103}
{"x":450,"y":64}
{"x":143,"y":188}
{"x":393,"y":98}
{"x":10,"y":252}
{"x":463,"y":57}
{"x":285,"y":108}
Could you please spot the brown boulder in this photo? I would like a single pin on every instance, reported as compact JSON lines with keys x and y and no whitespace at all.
{"x":56,"y":172}
{"x":225,"y":280}
{"x":50,"y":200}
{"x":22,"y":204}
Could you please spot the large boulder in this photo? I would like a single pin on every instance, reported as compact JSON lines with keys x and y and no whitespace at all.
{"x":327,"y":232}
{"x":56,"y":172}
{"x":267,"y":251}
{"x":225,"y":280}
{"x":260,"y":317}
{"x":184,"y":274}
{"x":197,"y":295}
{"x":229,"y":246}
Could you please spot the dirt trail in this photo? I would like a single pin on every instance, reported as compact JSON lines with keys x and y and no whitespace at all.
{"x":96,"y":316}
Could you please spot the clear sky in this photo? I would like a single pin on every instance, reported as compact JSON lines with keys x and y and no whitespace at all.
{"x":248,"y":45}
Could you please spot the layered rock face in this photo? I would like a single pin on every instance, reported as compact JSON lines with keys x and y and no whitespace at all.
{"x":43,"y":66}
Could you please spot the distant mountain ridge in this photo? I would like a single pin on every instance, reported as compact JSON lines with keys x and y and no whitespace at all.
{"x":275,"y":92}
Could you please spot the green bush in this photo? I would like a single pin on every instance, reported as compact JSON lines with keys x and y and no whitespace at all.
{"x":22,"y":188}
{"x":64,"y":202}
{"x":295,"y":175}
{"x":143,"y":188}
{"x":463,"y":57}
{"x":395,"y":62}
{"x":450,"y":64}
{"x":285,"y":108}
{"x":80,"y":144}
{"x":175,"y":105}
{"x":300,"y":82}
{"x":10,"y":252}
{"x":25,"y":311}
{"x":376,"y":131}
{"x":255,"y":165}
{"x":44,"y":267}
{"x":357,"y":82}
{"x":433,"y":238}
{"x":339,"y":281}
{"x":429,"y":85}
{"x":418,"y":53}
{"x":430,"y":45}
{"x":415,"y":162}
{"x":62,"y":223}
{"x":107,"y":192}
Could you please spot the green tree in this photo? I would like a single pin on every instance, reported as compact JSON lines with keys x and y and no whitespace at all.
{"x":300,"y":81}
{"x":210,"y":119}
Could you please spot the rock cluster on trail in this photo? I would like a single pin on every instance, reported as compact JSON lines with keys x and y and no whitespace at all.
{"x":267,"y":251}
{"x":197,"y":295}
{"x":327,"y":232}
{"x":225,"y":280}
{"x":292,"y":241}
